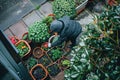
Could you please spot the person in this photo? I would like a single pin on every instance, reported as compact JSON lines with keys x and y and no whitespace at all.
{"x":67,"y":29}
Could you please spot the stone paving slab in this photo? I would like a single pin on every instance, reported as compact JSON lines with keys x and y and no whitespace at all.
{"x":60,"y":76}
{"x":14,"y":14}
{"x":31,"y":18}
{"x":84,"y":18}
{"x":8,"y":33}
{"x":18,"y":29}
{"x":38,"y":2}
{"x":46,"y":9}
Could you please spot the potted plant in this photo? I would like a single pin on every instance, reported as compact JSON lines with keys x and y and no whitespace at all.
{"x":44,"y":60}
{"x":38,"y":32}
{"x":25,"y":37}
{"x":23,"y":48}
{"x":38,"y":72}
{"x":64,"y":63}
{"x":44,"y":46}
{"x":48,"y":19}
{"x":38,"y":52}
{"x":53,"y":69}
{"x":14,"y":39}
{"x":55,"y":54}
{"x":31,"y":62}
{"x":81,"y":4}
{"x":63,"y":7}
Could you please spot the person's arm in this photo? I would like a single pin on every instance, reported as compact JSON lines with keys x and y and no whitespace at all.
{"x":59,"y":41}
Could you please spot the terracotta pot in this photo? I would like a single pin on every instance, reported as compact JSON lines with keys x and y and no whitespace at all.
{"x":37,"y":73}
{"x":61,"y":65}
{"x":26,"y":34}
{"x":29,"y":48}
{"x":38,"y":52}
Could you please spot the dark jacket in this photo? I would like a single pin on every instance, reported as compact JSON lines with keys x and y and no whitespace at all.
{"x":71,"y":29}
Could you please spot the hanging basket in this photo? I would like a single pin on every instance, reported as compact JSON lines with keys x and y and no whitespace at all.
{"x":38,"y":52}
{"x":38,"y":72}
{"x":23,"y":48}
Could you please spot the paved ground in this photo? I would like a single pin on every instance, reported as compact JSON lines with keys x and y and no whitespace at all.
{"x":21,"y":25}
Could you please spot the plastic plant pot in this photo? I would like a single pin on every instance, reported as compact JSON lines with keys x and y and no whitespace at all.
{"x":38,"y":72}
{"x":38,"y":52}
{"x":23,"y":48}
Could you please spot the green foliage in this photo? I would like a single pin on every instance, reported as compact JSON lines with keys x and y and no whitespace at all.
{"x":63,"y":7}
{"x":38,"y":32}
{"x":55,"y":54}
{"x":31,"y":62}
{"x":99,"y":58}
{"x":66,"y":63}
{"x":22,"y":49}
{"x":47,"y":20}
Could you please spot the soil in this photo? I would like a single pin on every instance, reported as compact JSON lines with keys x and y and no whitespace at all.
{"x":37,"y":53}
{"x":53,"y":70}
{"x":44,"y":60}
{"x":38,"y":73}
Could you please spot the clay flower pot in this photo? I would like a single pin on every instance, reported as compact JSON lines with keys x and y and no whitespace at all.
{"x":38,"y":72}
{"x":38,"y":52}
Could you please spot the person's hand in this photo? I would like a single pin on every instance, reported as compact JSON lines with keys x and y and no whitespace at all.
{"x":49,"y":44}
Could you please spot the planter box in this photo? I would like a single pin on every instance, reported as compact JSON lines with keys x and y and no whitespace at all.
{"x":21,"y":45}
{"x":81,"y":6}
{"x":53,"y":70}
{"x":38,"y":72}
{"x":44,"y":60}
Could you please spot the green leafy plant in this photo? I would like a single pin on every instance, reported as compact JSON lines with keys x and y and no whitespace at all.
{"x":66,"y":63}
{"x":38,"y":32}
{"x":98,"y":58}
{"x":63,"y":7}
{"x":53,"y":69}
{"x":22,"y":48}
{"x":47,"y":20}
{"x":55,"y":54}
{"x":31,"y":62}
{"x":44,"y":60}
